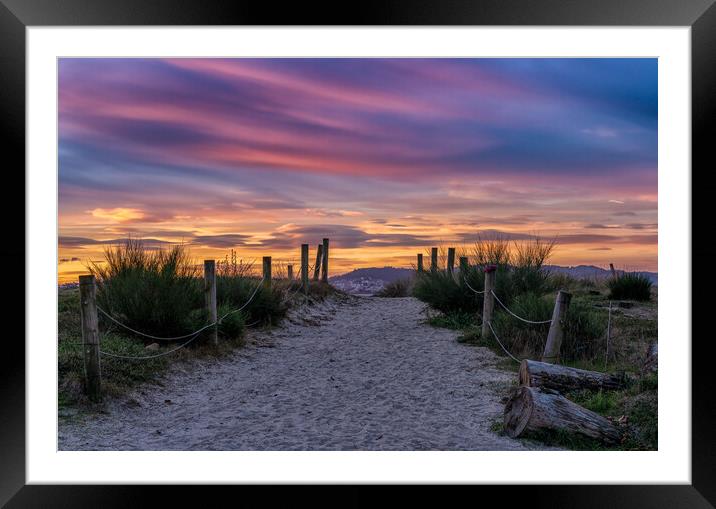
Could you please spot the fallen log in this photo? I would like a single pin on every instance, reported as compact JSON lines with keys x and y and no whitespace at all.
{"x":563,"y":379}
{"x":530,"y":409}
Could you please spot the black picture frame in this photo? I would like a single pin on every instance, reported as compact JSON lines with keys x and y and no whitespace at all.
{"x":700,"y":15}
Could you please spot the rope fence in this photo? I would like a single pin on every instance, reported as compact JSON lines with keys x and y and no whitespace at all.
{"x":146,"y":357}
{"x":489,"y":324}
{"x":555,"y":335}
{"x":192,"y":335}
{"x":471,"y":288}
{"x":516,"y":316}
{"x":90,"y":311}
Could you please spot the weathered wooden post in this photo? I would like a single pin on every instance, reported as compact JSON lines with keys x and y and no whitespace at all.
{"x":304,"y":267}
{"x":289,"y":271}
{"x":450,"y":259}
{"x":556,"y":329}
{"x":324,"y":266}
{"x":420,"y":262}
{"x":319,"y":257}
{"x":433,"y":259}
{"x":210,"y":297}
{"x":488,"y":299}
{"x":90,"y":337}
{"x":464,"y":265}
{"x":267,"y":271}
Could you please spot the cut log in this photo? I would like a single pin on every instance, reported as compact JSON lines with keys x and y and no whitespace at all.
{"x":563,"y":378}
{"x":530,"y":409}
{"x":651,"y":362}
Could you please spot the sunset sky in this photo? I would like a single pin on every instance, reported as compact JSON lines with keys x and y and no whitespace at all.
{"x":387,"y":157}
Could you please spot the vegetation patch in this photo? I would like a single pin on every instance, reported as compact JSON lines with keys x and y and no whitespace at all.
{"x":630,"y":286}
{"x":160,"y":293}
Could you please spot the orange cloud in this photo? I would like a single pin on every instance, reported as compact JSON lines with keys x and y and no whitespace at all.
{"x":119,"y":214}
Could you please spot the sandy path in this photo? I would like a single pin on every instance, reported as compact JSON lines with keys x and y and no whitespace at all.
{"x":363,"y":373}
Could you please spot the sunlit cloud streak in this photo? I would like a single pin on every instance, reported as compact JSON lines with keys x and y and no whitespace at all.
{"x":264,"y":154}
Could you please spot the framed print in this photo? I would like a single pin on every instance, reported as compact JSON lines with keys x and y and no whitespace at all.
{"x":414,"y":246}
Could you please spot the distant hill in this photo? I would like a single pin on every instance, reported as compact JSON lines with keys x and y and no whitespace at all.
{"x":370,"y":280}
{"x":590,"y":271}
{"x":387,"y":274}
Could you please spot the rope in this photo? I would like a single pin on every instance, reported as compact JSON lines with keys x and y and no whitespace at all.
{"x":176,"y":338}
{"x":245,"y":304}
{"x":292,"y":295}
{"x":129,"y":357}
{"x":470,"y":287}
{"x":518,"y":317}
{"x":489,"y":324}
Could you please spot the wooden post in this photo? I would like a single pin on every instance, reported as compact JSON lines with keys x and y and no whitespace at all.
{"x":90,"y":337}
{"x":556,"y":330}
{"x":319,"y":257}
{"x":433,"y":259}
{"x":420,"y":262}
{"x":210,"y":297}
{"x":304,"y":267}
{"x":324,"y":266}
{"x":450,"y":259}
{"x":267,"y":271}
{"x":488,"y":300}
{"x":611,"y":268}
{"x":289,"y":269}
{"x":464,"y":265}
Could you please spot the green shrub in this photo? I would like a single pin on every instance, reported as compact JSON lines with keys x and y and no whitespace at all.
{"x":150,"y":291}
{"x":584,"y":332}
{"x":441,"y":290}
{"x":519,"y":266}
{"x":524,"y":339}
{"x":267,"y":305}
{"x":397,"y":288}
{"x":584,"y":328}
{"x":231,"y":325}
{"x":629,"y":286}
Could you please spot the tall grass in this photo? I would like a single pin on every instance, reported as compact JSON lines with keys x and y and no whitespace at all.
{"x":491,"y":251}
{"x":447,"y":293}
{"x":630,"y":286}
{"x":519,"y":268}
{"x":154,"y":291}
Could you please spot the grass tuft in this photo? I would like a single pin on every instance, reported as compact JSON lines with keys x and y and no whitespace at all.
{"x":153,"y":291}
{"x":630,"y":286}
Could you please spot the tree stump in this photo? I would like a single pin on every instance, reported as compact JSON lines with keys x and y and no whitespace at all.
{"x":529,"y":409}
{"x":564,"y":379}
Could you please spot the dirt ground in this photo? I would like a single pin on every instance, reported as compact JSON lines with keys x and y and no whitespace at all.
{"x":348,"y":374}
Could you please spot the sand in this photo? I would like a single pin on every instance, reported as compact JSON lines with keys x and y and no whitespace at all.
{"x":348,"y":374}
